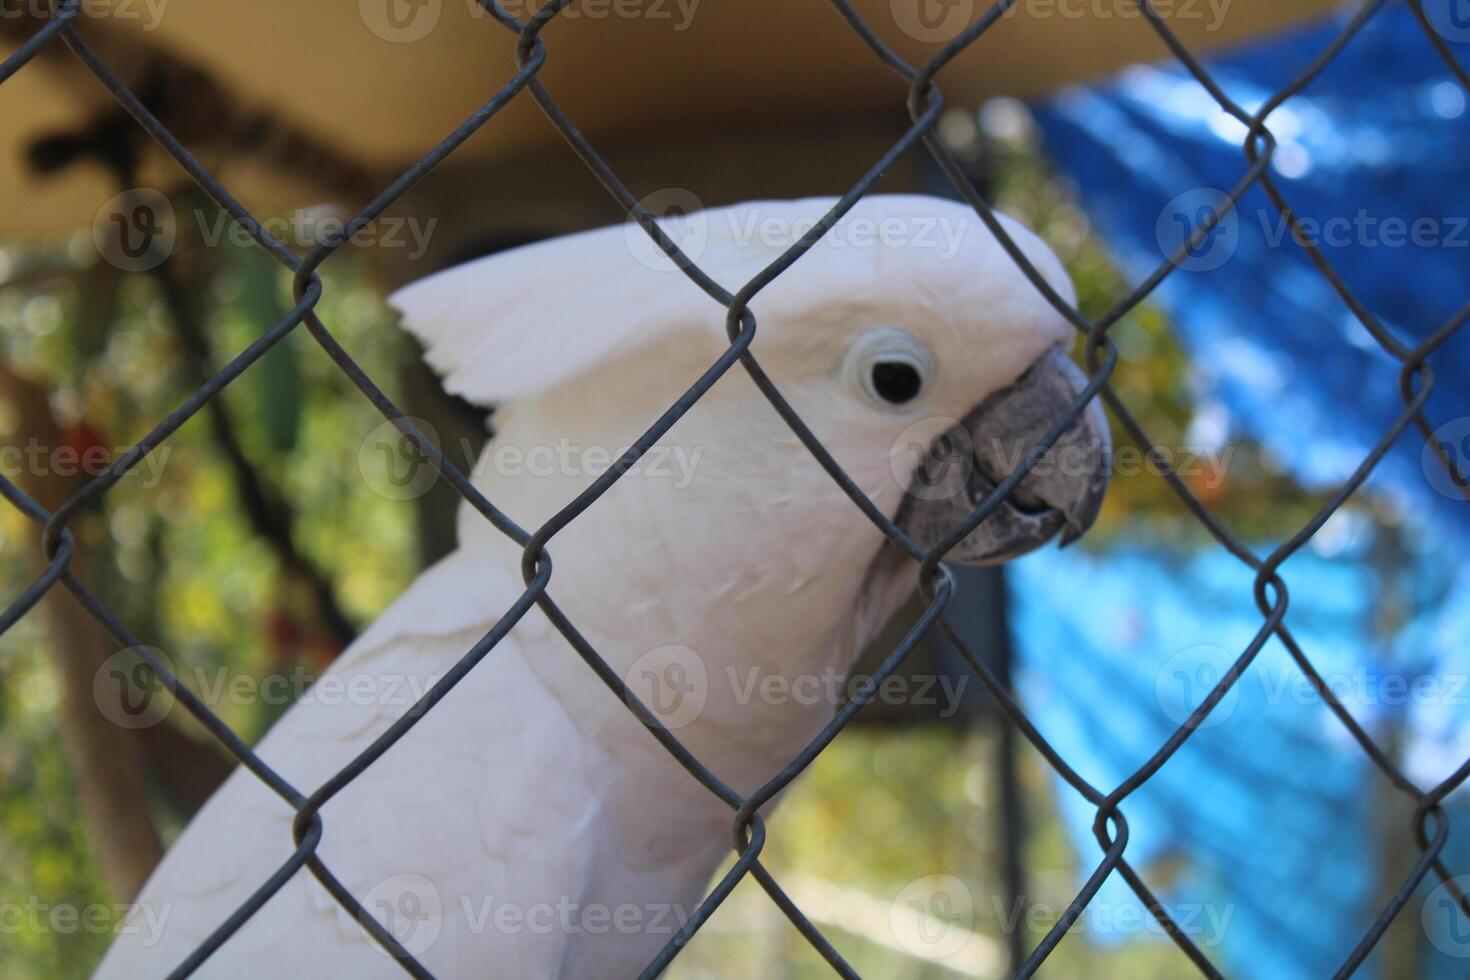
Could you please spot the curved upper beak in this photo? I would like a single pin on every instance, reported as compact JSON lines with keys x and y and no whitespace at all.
{"x":1062,"y":493}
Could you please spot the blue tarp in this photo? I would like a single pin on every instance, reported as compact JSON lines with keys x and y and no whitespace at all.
{"x":1377,"y":147}
{"x":1267,"y":819}
{"x":1256,"y":830}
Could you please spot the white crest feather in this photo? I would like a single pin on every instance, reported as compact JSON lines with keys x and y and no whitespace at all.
{"x":522,"y":321}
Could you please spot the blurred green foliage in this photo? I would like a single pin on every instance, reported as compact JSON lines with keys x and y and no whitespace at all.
{"x":879,"y":811}
{"x":168,"y":548}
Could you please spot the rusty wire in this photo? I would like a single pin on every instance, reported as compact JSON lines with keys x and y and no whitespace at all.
{"x":924,"y":102}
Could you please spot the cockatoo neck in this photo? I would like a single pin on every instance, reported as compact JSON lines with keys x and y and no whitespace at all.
{"x":727,"y":540}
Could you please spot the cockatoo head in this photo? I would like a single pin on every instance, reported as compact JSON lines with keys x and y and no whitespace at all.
{"x":907,"y":340}
{"x":908,"y":343}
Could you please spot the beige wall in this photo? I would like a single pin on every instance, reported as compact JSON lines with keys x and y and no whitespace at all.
{"x":675,"y":70}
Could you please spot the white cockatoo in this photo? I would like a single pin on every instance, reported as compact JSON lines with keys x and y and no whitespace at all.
{"x":529,"y":826}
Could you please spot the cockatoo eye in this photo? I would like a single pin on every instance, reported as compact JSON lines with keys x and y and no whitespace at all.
{"x":892,"y":367}
{"x":897,"y":381}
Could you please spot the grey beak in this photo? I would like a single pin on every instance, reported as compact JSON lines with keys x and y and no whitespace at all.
{"x":1062,"y":493}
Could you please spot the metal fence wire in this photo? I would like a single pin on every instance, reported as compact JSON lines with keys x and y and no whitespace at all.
{"x":1430,"y":824}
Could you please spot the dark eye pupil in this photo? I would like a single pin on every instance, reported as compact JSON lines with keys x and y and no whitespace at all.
{"x":896,"y":381}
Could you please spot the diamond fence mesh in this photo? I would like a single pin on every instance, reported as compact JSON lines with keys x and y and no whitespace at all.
{"x":1430,"y":825}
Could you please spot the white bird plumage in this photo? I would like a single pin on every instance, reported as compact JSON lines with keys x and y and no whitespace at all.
{"x":528,"y":826}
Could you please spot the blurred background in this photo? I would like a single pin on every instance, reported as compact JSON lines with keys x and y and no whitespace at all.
{"x":930,"y":840}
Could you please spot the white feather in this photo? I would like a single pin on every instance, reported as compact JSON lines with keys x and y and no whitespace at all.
{"x":523,"y":321}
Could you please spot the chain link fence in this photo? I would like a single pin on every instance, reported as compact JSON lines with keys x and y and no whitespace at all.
{"x":1430,"y":825}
